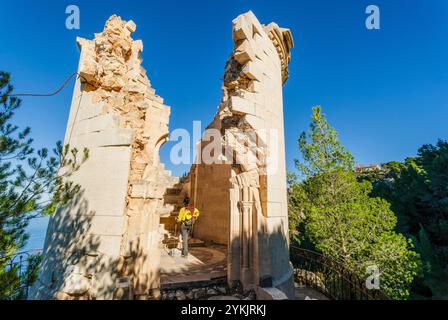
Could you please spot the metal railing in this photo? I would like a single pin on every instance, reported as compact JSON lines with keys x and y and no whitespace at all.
{"x":330,"y":277}
{"x":17,"y":274}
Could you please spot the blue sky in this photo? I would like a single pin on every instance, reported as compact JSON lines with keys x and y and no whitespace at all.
{"x":385,"y":91}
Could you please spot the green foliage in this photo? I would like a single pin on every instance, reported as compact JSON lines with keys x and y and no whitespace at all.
{"x":320,"y":148}
{"x":418,"y":192}
{"x":337,"y":214}
{"x":32,"y":183}
{"x":344,"y":220}
{"x":16,"y":275}
{"x":397,"y":262}
{"x":424,"y":246}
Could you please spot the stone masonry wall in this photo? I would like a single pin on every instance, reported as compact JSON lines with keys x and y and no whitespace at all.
{"x":106,"y":243}
{"x":253,"y":170}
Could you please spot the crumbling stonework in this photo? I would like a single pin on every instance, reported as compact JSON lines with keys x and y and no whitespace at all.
{"x":251,"y":170}
{"x":105,"y":244}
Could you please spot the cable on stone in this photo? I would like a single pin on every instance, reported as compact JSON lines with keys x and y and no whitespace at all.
{"x":48,"y":94}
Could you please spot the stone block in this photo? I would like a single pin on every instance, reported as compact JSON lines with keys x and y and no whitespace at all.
{"x":240,"y":105}
{"x":103,"y":174}
{"x":270,"y":294}
{"x":252,"y":71}
{"x":165,"y":211}
{"x":254,"y":97}
{"x":117,"y":137}
{"x":256,"y":86}
{"x":244,"y":53}
{"x":105,"y":246}
{"x":131,"y":26}
{"x":90,"y":111}
{"x":144,"y":189}
{"x":150,"y":92}
{"x":276,"y":195}
{"x":136,"y":87}
{"x":107,"y":225}
{"x":98,"y":123}
{"x":76,"y":284}
{"x":275,"y":209}
{"x":241,"y":29}
{"x":255,"y":122}
{"x":158,"y":99}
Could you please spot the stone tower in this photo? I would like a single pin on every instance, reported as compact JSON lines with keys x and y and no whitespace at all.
{"x":251,"y":170}
{"x":106,"y":241}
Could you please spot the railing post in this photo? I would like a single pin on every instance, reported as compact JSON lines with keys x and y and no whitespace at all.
{"x":19,"y":265}
{"x":338,"y":281}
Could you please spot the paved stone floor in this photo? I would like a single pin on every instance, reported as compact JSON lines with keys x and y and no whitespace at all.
{"x":206,"y":263}
{"x":203,"y":264}
{"x":304,"y":293}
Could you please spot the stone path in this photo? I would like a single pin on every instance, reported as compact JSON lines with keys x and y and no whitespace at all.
{"x":206,"y":266}
{"x":304,"y":293}
{"x":203,"y":264}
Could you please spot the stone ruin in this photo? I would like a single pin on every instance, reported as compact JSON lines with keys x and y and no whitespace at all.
{"x":107,"y":242}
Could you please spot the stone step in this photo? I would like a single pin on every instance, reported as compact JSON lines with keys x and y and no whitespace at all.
{"x":196,"y":281}
{"x":173,"y":199}
{"x":168,"y":222}
{"x":175,"y":212}
{"x":193,"y":242}
{"x":176,"y":185}
{"x":166,"y":211}
{"x":145,"y":189}
{"x":196,"y":243}
{"x":173,"y":242}
{"x":173,"y":191}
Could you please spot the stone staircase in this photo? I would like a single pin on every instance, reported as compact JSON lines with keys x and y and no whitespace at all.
{"x":173,"y":200}
{"x":158,"y":183}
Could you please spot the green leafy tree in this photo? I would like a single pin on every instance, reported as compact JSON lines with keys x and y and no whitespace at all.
{"x":338,"y":215}
{"x":32,"y":183}
{"x":418,"y":192}
{"x":321,"y":149}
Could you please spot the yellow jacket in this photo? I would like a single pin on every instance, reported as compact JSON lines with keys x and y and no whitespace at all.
{"x":185,"y":214}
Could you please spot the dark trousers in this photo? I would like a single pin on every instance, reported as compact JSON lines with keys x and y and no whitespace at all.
{"x":185,"y":232}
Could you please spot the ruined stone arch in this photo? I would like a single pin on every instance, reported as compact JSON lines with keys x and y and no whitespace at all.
{"x":159,"y":144}
{"x":128,"y":197}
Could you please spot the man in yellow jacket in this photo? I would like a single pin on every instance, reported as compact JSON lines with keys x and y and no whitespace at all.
{"x":188,"y":215}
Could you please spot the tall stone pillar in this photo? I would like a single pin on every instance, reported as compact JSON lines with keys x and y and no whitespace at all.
{"x":235,"y":222}
{"x":251,"y":115}
{"x":250,"y":129}
{"x":247,"y":265}
{"x":105,"y":243}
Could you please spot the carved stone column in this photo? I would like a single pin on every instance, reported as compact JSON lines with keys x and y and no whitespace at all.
{"x":234,"y":245}
{"x":247,"y":240}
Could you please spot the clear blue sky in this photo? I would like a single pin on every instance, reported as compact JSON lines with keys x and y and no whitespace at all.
{"x":385,"y":91}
